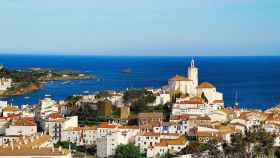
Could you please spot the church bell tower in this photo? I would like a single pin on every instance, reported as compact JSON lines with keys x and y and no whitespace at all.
{"x":193,"y":73}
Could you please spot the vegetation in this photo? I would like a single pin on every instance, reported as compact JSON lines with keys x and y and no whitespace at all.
{"x":256,"y":143}
{"x":128,"y":151}
{"x":103,"y":94}
{"x":203,"y":96}
{"x":139,"y":99}
{"x":197,"y":148}
{"x":26,"y":81}
{"x":90,"y":113}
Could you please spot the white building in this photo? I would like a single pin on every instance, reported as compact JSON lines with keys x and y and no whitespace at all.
{"x":47,"y":106}
{"x":22,"y":127}
{"x":167,"y":145}
{"x":80,"y":135}
{"x":210,"y":92}
{"x":10,"y":110}
{"x":5,"y":84}
{"x":116,"y":99}
{"x":193,"y":106}
{"x":162,"y":97}
{"x":3,"y":125}
{"x":172,"y":127}
{"x":39,"y":145}
{"x":150,"y":139}
{"x":108,"y":143}
{"x":185,"y":85}
{"x":55,"y":123}
{"x":189,"y":86}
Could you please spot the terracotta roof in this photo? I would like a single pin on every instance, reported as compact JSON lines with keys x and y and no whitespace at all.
{"x":180,"y":141}
{"x":218,"y":101}
{"x":106,"y":125}
{"x":208,"y":134}
{"x":129,"y":127}
{"x":55,"y":116}
{"x":227,"y":111}
{"x":150,"y":115}
{"x":206,"y":85}
{"x":179,"y":78}
{"x":24,"y":122}
{"x":31,"y":147}
{"x":197,"y":99}
{"x":179,"y":117}
{"x":159,"y":134}
{"x":11,"y":109}
{"x":151,"y":134}
{"x":200,"y":118}
{"x":81,"y":128}
{"x":32,"y":152}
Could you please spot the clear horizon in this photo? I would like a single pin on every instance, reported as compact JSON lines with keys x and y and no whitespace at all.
{"x":144,"y":28}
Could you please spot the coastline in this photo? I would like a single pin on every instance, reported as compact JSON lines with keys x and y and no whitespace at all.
{"x":21,"y":91}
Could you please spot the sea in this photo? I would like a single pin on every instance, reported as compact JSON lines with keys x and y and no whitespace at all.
{"x":254,"y":82}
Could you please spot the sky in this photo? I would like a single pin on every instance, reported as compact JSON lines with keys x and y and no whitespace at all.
{"x":145,"y":27}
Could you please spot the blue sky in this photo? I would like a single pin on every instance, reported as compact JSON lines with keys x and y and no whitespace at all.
{"x":145,"y":27}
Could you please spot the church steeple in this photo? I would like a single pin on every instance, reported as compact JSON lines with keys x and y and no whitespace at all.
{"x":192,"y":63}
{"x":193,"y":73}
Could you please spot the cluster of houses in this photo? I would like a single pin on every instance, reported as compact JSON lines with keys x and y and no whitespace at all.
{"x":197,"y":114}
{"x":5,"y":84}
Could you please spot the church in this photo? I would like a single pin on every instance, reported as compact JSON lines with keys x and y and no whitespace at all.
{"x":188,"y":86}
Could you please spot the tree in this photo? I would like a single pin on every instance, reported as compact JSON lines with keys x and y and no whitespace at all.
{"x":277,"y":153}
{"x":128,"y":151}
{"x":193,"y":148}
{"x":213,"y":148}
{"x":139,"y":100}
{"x":203,"y":96}
{"x":103,"y":94}
{"x":236,"y":148}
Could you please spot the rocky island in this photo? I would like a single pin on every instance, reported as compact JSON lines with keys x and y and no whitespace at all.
{"x":19,"y":82}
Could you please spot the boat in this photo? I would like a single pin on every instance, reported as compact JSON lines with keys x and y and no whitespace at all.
{"x":48,"y":95}
{"x":26,"y":97}
{"x":66,"y":82}
{"x":86,"y":92}
{"x":127,"y":71}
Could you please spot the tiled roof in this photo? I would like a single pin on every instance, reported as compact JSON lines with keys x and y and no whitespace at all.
{"x":129,"y":127}
{"x":106,"y":125}
{"x":180,"y":141}
{"x":55,"y":116}
{"x":218,"y":101}
{"x":11,"y":109}
{"x":206,"y":85}
{"x":21,"y":148}
{"x":150,"y":115}
{"x":24,"y":122}
{"x":159,"y":134}
{"x":32,"y":152}
{"x":81,"y":128}
{"x":179,"y":78}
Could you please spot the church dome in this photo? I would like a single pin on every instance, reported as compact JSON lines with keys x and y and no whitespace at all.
{"x":206,"y":85}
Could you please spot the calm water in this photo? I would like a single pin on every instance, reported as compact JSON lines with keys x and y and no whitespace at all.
{"x":255,"y":78}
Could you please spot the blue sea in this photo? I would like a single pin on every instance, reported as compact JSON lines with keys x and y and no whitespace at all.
{"x":256,"y":80}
